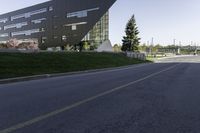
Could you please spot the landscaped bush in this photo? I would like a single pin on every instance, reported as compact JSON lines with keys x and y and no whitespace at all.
{"x":15,"y":44}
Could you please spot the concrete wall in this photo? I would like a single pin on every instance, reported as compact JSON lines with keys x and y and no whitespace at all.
{"x":136,"y":55}
{"x":105,"y":47}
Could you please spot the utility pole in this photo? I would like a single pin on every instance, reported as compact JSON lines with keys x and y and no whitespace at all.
{"x":180,"y":43}
{"x":152,"y":41}
{"x":179,"y":48}
{"x":174,"y":43}
{"x":152,"y":44}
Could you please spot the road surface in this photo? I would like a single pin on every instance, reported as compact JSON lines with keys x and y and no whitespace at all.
{"x":150,"y":98}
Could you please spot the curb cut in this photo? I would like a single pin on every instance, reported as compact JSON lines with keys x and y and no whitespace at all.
{"x":46,"y":76}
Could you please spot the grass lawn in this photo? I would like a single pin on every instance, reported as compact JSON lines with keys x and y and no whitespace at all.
{"x":21,"y":64}
{"x":152,"y":58}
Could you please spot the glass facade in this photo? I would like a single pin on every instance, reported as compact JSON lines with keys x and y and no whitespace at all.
{"x":100,"y":32}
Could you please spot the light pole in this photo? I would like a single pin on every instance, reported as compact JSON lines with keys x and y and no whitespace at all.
{"x":152,"y":41}
{"x":174,"y":42}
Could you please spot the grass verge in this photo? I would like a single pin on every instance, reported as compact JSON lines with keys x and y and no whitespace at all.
{"x":21,"y":64}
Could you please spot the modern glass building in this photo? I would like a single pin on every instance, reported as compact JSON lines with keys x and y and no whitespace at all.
{"x":58,"y":22}
{"x":100,"y":32}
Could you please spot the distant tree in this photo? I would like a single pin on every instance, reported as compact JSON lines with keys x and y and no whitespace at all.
{"x":131,"y":41}
{"x":93,"y":47}
{"x":33,"y":45}
{"x":81,"y":46}
{"x":3,"y":45}
{"x":117,"y":48}
{"x":23,"y":45}
{"x":156,"y":48}
{"x":86,"y":45}
{"x":143,"y":47}
{"x":42,"y":47}
{"x":29,"y":45}
{"x":12,"y":43}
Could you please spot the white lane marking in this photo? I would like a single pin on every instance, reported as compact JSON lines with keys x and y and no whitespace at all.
{"x":67,"y":108}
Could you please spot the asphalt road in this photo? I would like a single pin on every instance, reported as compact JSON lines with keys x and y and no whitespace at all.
{"x":148,"y":98}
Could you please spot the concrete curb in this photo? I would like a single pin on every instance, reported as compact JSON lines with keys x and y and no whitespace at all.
{"x":46,"y":76}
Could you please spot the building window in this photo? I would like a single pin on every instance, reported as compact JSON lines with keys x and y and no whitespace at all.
{"x":38,"y":21}
{"x":64,"y":38}
{"x":74,"y":25}
{"x":51,"y":8}
{"x":55,"y":37}
{"x":34,"y":31}
{"x":44,"y":39}
{"x":42,"y":29}
{"x":19,"y":16}
{"x":55,"y":16}
{"x":18,"y":25}
{"x":3,"y":20}
{"x":26,"y":32}
{"x":29,"y":14}
{"x":4,"y":35}
{"x":81,"y":14}
{"x":43,"y":10}
{"x":55,"y":27}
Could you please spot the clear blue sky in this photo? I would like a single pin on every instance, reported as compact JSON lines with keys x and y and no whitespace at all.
{"x":164,"y":20}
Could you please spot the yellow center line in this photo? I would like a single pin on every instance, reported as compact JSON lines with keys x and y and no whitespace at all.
{"x":67,"y":108}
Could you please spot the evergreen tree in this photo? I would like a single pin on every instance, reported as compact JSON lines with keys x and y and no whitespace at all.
{"x":131,"y":41}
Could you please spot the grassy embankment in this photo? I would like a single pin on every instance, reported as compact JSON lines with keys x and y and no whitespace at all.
{"x":20,"y":64}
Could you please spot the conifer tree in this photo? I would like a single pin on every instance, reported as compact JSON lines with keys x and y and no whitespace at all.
{"x":131,"y":41}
